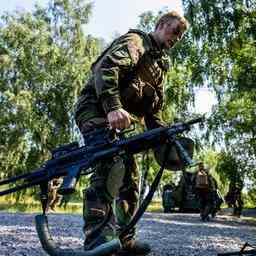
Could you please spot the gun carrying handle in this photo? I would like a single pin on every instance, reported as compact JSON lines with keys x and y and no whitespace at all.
{"x":69,"y":182}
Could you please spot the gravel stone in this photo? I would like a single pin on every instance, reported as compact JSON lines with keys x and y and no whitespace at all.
{"x":168,"y":234}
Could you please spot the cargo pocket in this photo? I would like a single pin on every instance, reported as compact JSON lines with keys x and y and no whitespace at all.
{"x":115,"y":177}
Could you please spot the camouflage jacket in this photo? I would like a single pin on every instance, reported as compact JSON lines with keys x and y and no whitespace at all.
{"x":129,"y":74}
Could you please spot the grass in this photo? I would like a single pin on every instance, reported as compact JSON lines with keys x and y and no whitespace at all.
{"x":249,"y":220}
{"x":31,"y":206}
{"x":36,"y":207}
{"x":155,"y":206}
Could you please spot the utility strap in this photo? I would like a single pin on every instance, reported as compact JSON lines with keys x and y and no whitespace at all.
{"x":146,"y":201}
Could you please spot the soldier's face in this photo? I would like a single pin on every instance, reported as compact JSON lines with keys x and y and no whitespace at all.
{"x":170,"y":33}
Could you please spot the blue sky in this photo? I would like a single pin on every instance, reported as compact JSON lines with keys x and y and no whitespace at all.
{"x":120,"y":15}
{"x":111,"y":16}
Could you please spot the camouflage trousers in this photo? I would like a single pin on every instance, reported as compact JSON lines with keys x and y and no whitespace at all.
{"x":206,"y":200}
{"x":113,"y":189}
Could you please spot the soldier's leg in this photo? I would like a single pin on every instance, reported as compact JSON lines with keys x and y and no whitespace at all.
{"x":237,"y":209}
{"x":209,"y":205}
{"x":240,"y":205}
{"x":127,"y":201}
{"x":56,"y":201}
{"x":205,"y":207}
{"x":104,"y":187}
{"x":201,"y":198}
{"x":51,"y":196}
{"x":105,"y":184}
{"x":126,"y":206}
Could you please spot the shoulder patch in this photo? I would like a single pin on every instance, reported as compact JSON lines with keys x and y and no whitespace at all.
{"x":134,"y":51}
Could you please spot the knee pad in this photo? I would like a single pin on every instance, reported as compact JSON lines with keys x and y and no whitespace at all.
{"x":94,"y":209}
{"x":122,"y":212}
{"x":115,"y":177}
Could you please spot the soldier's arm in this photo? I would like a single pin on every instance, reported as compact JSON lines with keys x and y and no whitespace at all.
{"x":120,"y":59}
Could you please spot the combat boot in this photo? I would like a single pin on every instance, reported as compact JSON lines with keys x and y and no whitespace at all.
{"x":132,"y":246}
{"x":125,"y":209}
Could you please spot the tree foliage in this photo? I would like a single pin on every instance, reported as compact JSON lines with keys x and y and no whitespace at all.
{"x":218,"y":51}
{"x":224,"y":33}
{"x":229,"y":169}
{"x":44,"y":61}
{"x":45,"y":58}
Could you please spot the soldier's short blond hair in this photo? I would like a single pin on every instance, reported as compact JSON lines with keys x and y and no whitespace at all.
{"x":170,"y":16}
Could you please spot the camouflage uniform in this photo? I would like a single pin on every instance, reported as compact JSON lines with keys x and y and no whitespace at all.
{"x":53,"y":197}
{"x":129,"y":74}
{"x":215,"y":196}
{"x":206,"y":197}
{"x":234,"y":198}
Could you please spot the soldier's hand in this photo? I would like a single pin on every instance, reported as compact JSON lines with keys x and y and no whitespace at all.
{"x":119,"y":119}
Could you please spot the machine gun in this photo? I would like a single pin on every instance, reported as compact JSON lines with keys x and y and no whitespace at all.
{"x":71,"y":161}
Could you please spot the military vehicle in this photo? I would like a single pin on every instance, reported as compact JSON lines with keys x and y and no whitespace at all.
{"x":181,"y":197}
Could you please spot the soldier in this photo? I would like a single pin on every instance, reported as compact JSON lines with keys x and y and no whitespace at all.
{"x":216,"y":196}
{"x":53,"y":197}
{"x":126,"y":79}
{"x":189,"y":196}
{"x":167,"y":197}
{"x":234,"y":198}
{"x":205,"y":186}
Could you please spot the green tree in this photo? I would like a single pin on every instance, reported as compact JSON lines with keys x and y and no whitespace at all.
{"x":230,"y":170}
{"x":45,"y":58}
{"x":224,"y":33}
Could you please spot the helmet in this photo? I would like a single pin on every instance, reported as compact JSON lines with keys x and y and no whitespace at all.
{"x":174,"y":162}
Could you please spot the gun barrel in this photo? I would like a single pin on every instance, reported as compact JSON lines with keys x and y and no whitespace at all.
{"x":194,"y":121}
{"x":20,"y":177}
{"x":30,"y":180}
{"x":23,"y":186}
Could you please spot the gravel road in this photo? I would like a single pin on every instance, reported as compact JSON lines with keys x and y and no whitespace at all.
{"x":169,"y":234}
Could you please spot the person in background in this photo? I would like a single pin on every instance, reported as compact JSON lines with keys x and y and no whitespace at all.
{"x":54,"y":198}
{"x":205,"y":186}
{"x":218,"y":199}
{"x":234,"y":199}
